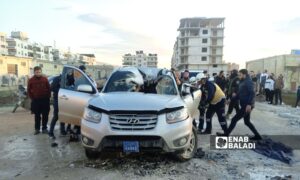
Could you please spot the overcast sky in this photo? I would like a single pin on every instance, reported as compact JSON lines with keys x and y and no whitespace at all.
{"x":111,"y":28}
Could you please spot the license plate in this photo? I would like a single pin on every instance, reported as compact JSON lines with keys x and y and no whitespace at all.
{"x":131,"y":146}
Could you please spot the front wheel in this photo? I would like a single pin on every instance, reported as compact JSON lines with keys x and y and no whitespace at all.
{"x":92,"y":155}
{"x":189,"y":153}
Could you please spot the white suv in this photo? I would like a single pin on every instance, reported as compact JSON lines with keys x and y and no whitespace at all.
{"x":137,"y":110}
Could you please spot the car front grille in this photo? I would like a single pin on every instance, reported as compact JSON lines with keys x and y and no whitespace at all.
{"x":133,"y":122}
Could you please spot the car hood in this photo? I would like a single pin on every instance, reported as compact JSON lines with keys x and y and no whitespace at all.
{"x":131,"y":101}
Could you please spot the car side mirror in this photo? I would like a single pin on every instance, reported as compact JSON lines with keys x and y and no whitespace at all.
{"x":85,"y":88}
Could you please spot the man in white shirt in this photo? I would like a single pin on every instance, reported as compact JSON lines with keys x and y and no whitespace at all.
{"x":262,"y":80}
{"x":269,"y":88}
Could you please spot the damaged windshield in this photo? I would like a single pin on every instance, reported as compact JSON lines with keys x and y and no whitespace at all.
{"x":131,"y":81}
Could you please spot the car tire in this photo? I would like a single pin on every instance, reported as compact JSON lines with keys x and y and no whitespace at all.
{"x":189,"y":153}
{"x":92,"y":155}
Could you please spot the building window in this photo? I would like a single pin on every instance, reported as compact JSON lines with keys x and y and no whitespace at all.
{"x":23,"y":63}
{"x":204,"y":49}
{"x":55,"y":66}
{"x":205,"y":31}
{"x":203,"y":58}
{"x":215,"y":66}
{"x":204,"y":41}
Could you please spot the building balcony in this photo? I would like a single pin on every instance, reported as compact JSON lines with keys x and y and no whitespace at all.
{"x":182,"y":46}
{"x":214,"y":55}
{"x":216,"y":36}
{"x":183,"y":55}
{"x":190,"y":27}
{"x":216,"y":45}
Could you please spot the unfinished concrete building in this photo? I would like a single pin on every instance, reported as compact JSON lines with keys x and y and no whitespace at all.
{"x":199,"y":45}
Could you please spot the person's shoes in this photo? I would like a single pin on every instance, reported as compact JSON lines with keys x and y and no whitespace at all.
{"x":206,"y":132}
{"x":255,"y":138}
{"x":63,"y":133}
{"x":270,"y":103}
{"x":199,"y":131}
{"x":221,"y":134}
{"x":51,"y":136}
{"x":36,"y":132}
{"x":45,"y":131}
{"x":74,"y":138}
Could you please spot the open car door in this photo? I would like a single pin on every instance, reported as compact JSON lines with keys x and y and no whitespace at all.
{"x":191,"y":98}
{"x":76,"y":89}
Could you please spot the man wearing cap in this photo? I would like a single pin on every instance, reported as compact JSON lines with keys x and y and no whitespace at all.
{"x":215,"y":99}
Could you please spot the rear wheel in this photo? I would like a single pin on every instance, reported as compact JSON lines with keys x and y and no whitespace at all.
{"x":92,"y":155}
{"x":189,"y":153}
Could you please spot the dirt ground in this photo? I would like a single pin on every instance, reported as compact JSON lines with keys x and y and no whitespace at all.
{"x":25,"y":156}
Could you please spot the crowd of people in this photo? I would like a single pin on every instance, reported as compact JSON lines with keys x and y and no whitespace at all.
{"x":237,"y":90}
{"x":39,"y":90}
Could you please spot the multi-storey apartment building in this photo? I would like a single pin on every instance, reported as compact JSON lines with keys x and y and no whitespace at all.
{"x":199,"y":45}
{"x":3,"y":44}
{"x":140,"y":59}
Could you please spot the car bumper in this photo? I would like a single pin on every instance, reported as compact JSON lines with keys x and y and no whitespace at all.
{"x":100,"y":136}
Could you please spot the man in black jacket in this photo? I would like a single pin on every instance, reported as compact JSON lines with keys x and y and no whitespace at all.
{"x":55,"y":88}
{"x":232,"y":92}
{"x":246,"y":95}
{"x":220,"y":80}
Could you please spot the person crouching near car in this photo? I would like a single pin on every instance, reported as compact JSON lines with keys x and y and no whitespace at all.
{"x":39,"y":92}
{"x":215,"y":100}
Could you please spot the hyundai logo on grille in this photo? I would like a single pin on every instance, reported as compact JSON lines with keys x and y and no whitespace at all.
{"x":133,"y":121}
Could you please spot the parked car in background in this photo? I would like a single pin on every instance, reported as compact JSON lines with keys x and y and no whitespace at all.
{"x":138,"y":109}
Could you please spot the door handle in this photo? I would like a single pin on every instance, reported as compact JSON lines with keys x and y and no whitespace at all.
{"x":64,"y":97}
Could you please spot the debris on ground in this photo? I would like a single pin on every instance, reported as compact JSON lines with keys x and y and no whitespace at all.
{"x":54,"y":144}
{"x":199,"y":153}
{"x":140,"y":165}
{"x":286,"y":177}
{"x":216,"y":156}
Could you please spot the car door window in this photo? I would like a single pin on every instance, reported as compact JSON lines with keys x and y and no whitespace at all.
{"x":72,"y":78}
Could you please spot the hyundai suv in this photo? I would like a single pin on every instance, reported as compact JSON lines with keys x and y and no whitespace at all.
{"x":138,"y":109}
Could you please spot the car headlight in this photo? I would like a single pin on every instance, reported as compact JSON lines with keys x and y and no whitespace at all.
{"x":177,"y":116}
{"x":92,"y":116}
